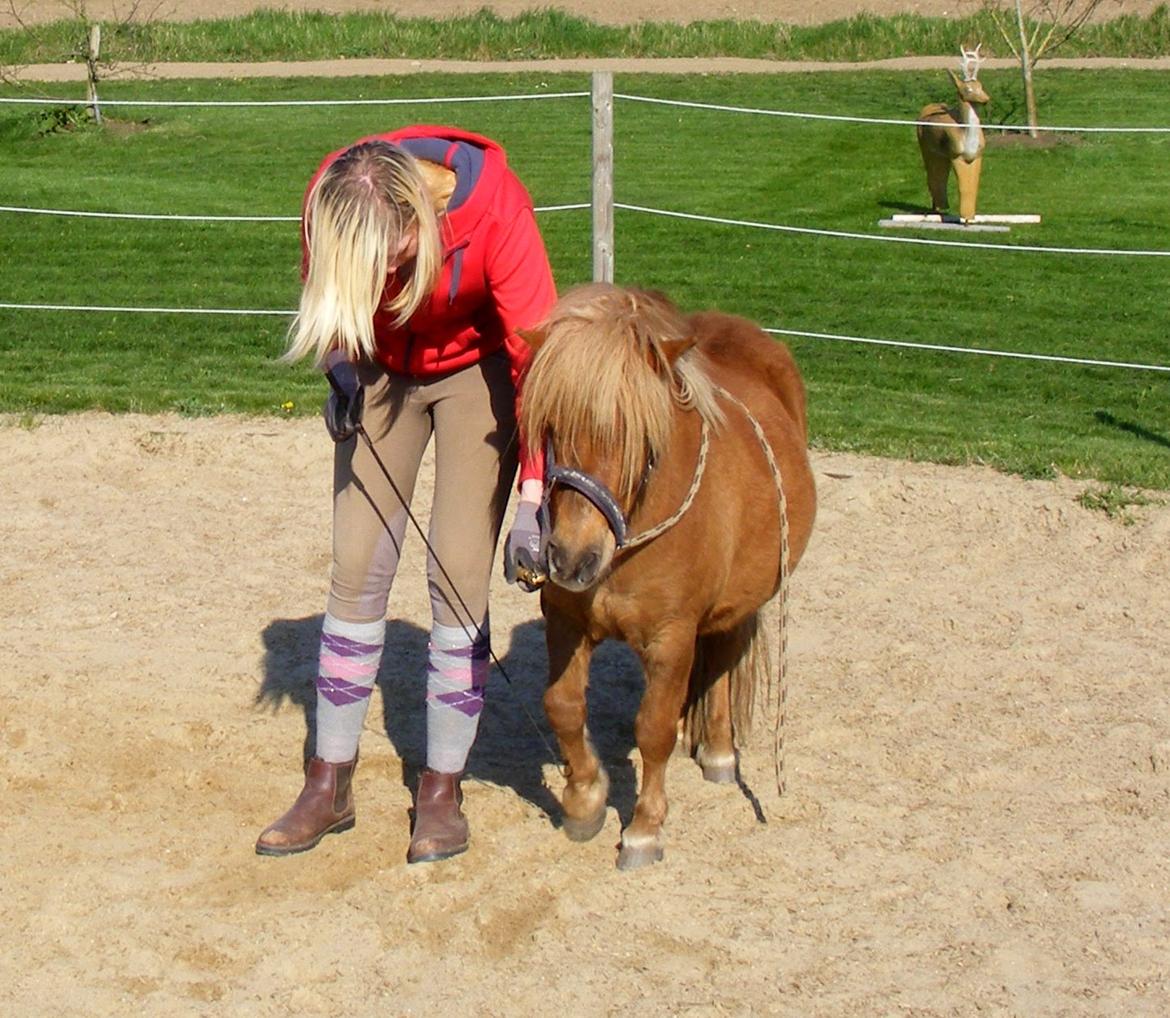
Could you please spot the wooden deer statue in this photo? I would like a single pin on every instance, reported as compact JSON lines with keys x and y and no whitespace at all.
{"x":953,"y":139}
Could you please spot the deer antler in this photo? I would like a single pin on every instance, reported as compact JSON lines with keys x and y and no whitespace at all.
{"x":971,"y":62}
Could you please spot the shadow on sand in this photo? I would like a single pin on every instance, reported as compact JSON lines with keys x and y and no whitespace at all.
{"x":514,"y":741}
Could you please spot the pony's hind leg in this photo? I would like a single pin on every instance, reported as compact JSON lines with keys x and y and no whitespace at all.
{"x":668,"y":665}
{"x":712,"y":712}
{"x":715,"y":753}
{"x":587,"y":787}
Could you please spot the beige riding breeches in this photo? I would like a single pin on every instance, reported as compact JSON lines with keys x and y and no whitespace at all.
{"x":471,"y":415}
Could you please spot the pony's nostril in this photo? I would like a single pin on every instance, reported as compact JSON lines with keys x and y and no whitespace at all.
{"x":555,"y":559}
{"x":572,"y":570}
{"x":587,"y":568}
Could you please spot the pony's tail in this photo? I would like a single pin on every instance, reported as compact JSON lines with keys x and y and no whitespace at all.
{"x":750,"y":674}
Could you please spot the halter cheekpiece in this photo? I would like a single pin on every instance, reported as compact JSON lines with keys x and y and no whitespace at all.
{"x":604,"y":501}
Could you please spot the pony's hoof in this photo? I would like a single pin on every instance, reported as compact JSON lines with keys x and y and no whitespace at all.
{"x":639,"y":852}
{"x":720,"y":774}
{"x":583,"y":830}
{"x":719,"y":768}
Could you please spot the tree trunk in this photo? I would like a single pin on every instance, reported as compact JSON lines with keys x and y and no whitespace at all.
{"x":91,"y":71}
{"x":1026,"y":66}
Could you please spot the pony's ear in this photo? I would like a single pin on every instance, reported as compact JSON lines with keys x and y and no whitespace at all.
{"x":658,"y":317}
{"x":533,"y":337}
{"x":675,"y":348}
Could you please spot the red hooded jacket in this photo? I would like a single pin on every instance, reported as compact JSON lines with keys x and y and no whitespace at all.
{"x":496,"y":277}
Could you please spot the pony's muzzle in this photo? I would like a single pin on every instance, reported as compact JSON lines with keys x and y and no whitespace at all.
{"x":574,"y":571}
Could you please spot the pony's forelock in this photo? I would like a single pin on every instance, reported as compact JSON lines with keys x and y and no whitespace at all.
{"x":603,"y":379}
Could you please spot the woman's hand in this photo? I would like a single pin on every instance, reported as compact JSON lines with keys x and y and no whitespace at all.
{"x":343,"y":408}
{"x":524,"y":549}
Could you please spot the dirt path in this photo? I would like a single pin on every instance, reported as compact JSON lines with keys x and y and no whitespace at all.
{"x":376,"y":68}
{"x":979,"y":757}
{"x":604,"y":11}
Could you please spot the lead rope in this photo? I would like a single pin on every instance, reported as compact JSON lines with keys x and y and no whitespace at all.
{"x":778,"y":690}
{"x":562,"y":767}
{"x":658,"y":529}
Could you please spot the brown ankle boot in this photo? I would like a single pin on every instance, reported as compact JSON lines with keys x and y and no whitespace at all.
{"x":440,"y":828}
{"x":325,"y":806}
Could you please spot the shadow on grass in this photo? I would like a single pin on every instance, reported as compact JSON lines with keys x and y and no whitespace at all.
{"x":1130,"y":428}
{"x":902,"y":206}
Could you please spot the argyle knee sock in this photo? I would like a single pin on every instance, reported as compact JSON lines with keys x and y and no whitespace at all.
{"x":350,"y":654}
{"x":456,"y":678}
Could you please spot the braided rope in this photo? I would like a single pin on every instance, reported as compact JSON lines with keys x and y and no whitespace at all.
{"x":780,"y":690}
{"x":661,"y":528}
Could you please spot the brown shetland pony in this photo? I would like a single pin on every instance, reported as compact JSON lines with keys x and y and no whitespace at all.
{"x":619,"y":387}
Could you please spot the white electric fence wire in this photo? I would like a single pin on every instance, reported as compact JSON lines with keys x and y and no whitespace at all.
{"x":978,"y":351}
{"x":144,"y":311}
{"x":938,"y":348}
{"x":150,"y":216}
{"x":776,"y":227}
{"x":211,"y":219}
{"x":879,"y":120}
{"x":887,"y":239}
{"x":429,"y":100}
{"x":790,"y":114}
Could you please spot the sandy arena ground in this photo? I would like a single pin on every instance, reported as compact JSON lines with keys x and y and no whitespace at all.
{"x":979,"y":751}
{"x":979,"y":762}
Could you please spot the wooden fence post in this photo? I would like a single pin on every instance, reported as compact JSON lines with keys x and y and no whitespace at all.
{"x":603,"y":253}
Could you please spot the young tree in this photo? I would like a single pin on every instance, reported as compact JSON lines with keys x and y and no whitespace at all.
{"x":1034,"y":29}
{"x":89,"y":39}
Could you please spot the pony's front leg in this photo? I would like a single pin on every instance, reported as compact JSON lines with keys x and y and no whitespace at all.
{"x":667,"y":662}
{"x":587,"y":788}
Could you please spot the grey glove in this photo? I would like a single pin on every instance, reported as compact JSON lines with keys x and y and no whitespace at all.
{"x":524,"y":549}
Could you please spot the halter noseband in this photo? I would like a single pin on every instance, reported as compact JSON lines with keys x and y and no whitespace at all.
{"x":602,"y":499}
{"x":585,"y":484}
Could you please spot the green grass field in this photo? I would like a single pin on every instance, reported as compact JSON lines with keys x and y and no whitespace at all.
{"x":280,"y":35}
{"x":1096,"y":191}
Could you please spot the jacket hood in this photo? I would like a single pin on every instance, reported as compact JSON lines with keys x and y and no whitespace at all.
{"x":460,"y":222}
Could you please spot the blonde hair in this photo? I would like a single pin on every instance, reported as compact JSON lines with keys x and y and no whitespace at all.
{"x":356,"y":216}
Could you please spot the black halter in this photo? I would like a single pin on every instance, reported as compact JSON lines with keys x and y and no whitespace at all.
{"x":598,"y":494}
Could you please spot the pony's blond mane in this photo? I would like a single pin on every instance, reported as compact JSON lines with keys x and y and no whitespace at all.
{"x":602,"y":379}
